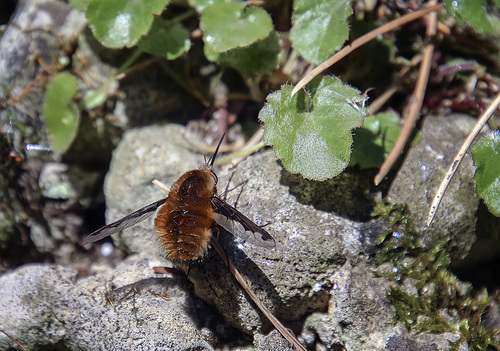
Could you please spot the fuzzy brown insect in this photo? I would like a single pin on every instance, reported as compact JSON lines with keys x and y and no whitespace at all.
{"x":185,"y":223}
{"x":188,"y":217}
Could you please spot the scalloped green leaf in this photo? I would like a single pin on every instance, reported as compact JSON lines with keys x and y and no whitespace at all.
{"x":474,"y":13}
{"x":166,"y":38}
{"x":374,"y":142}
{"x":60,"y":112}
{"x":96,"y":97}
{"x":119,"y":23}
{"x":320,"y":27}
{"x":200,"y":5}
{"x":311,"y":131}
{"x":234,"y":25}
{"x":259,"y":58}
{"x":79,"y":4}
{"x":486,"y":154}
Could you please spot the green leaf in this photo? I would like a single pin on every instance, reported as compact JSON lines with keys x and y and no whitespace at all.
{"x":119,"y":23}
{"x":231,"y":25}
{"x":97,"y":97}
{"x":166,"y":38}
{"x":495,"y":23}
{"x":58,"y":191}
{"x":311,"y":132}
{"x":474,"y":13}
{"x":374,"y":142}
{"x":200,"y":5}
{"x":259,"y":58}
{"x":320,"y":27}
{"x":79,"y":4}
{"x":486,"y":154}
{"x":60,"y":112}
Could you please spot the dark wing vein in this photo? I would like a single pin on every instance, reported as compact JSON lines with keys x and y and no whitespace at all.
{"x":125,"y":222}
{"x":251,"y":231}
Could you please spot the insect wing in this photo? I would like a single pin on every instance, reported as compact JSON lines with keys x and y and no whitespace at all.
{"x":238,"y":224}
{"x":123,"y":223}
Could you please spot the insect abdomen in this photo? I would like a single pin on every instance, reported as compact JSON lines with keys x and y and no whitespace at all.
{"x":185,"y":222}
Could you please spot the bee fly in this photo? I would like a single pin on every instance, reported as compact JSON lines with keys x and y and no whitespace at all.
{"x":187,"y":217}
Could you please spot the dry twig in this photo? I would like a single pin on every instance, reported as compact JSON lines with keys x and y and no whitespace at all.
{"x":281,"y":328}
{"x":416,"y":100}
{"x":363,"y":40}
{"x":251,"y":147}
{"x":14,"y":340}
{"x":460,"y":156}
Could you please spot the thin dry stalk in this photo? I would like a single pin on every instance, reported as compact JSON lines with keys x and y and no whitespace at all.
{"x":363,"y":40}
{"x":275,"y":321}
{"x":382,"y":99}
{"x":460,"y":156}
{"x":14,"y":340}
{"x":252,"y":146}
{"x":416,"y":101}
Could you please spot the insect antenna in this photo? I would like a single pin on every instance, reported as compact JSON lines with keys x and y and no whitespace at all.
{"x":211,"y":160}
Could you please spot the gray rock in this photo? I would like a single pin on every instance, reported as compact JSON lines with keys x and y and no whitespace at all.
{"x":293,"y":279}
{"x":320,"y":263}
{"x":128,"y":308}
{"x":64,"y":189}
{"x":54,"y":182}
{"x":318,"y":278}
{"x":420,"y":176}
{"x":31,"y":53}
{"x":30,"y":38}
{"x":143,"y":155}
{"x":273,"y":341}
{"x":360,"y":317}
{"x":28,"y":47}
{"x":59,"y":181}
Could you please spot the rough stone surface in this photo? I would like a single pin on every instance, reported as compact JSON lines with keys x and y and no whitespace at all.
{"x":31,"y":54}
{"x":420,"y":176}
{"x":318,"y":280}
{"x":360,"y":317}
{"x":143,"y":155}
{"x":128,"y":308}
{"x":293,"y":279}
{"x":320,"y":263}
{"x":272,"y":341}
{"x":64,"y":188}
{"x":30,"y":38}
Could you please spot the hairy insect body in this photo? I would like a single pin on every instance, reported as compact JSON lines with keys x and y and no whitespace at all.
{"x":185,"y":222}
{"x":187,"y":218}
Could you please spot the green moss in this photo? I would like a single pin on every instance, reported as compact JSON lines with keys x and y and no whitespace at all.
{"x":437,"y":289}
{"x":13,"y":215}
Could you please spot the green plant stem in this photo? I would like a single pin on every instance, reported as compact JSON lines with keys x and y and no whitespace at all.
{"x":132,"y":58}
{"x":493,"y":124}
{"x":182,"y":82}
{"x":243,"y":153}
{"x":183,"y":16}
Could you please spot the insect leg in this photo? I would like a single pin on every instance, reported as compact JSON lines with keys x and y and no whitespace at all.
{"x":227,"y":190}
